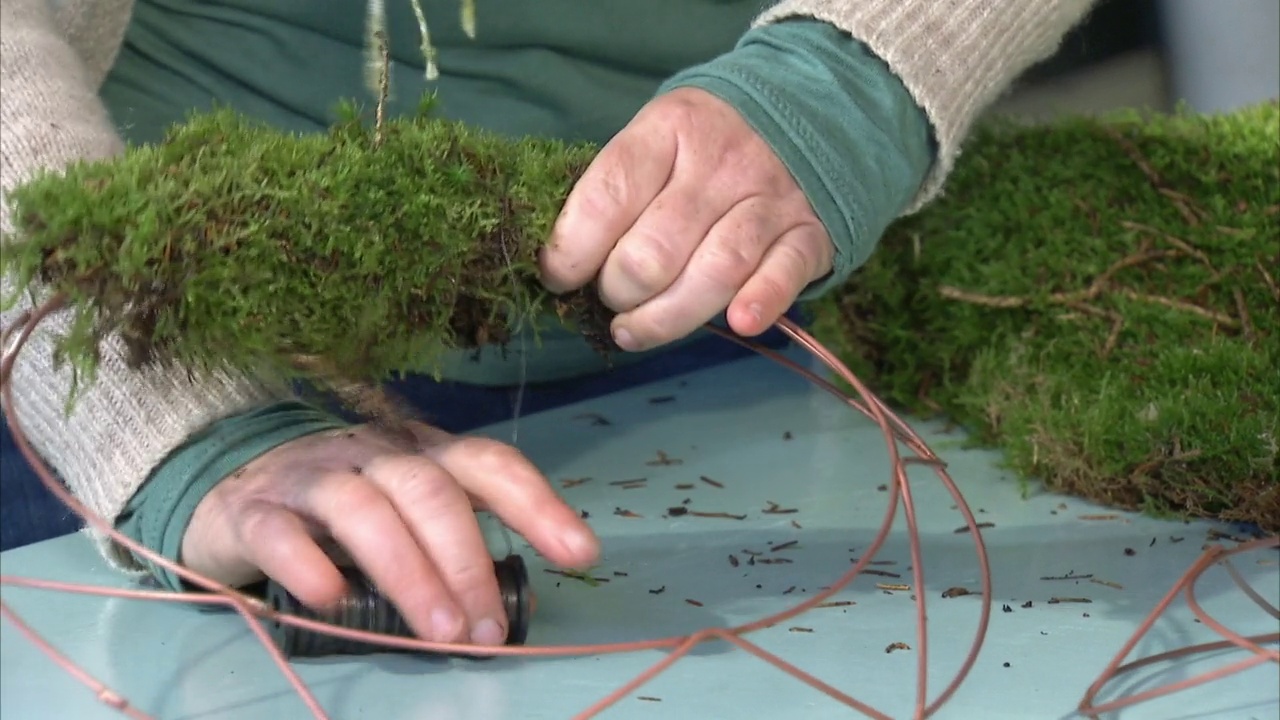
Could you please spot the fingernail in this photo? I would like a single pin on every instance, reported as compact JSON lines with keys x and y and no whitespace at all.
{"x":487,"y":632}
{"x":579,"y":544}
{"x":445,"y":625}
{"x":755,"y":310}
{"x":624,"y":340}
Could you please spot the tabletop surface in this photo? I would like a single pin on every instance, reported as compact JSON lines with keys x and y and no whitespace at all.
{"x":763,"y":436}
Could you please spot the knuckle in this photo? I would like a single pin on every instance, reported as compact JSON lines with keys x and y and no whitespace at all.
{"x":491,"y":455}
{"x":469,"y":575}
{"x":261,"y":523}
{"x":675,"y":112}
{"x":607,"y":188}
{"x":777,"y":289}
{"x":800,"y":260}
{"x":727,"y":264}
{"x":356,"y":497}
{"x":647,"y":262}
{"x":786,"y":276}
{"x":423,"y":483}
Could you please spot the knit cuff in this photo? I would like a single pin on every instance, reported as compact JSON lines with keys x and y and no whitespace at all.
{"x":158,"y":515}
{"x":845,"y":127}
{"x":955,"y":57}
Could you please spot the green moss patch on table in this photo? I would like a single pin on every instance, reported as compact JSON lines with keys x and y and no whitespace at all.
{"x":1098,"y":298}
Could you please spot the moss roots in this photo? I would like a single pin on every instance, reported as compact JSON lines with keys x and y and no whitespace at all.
{"x":1098,"y":298}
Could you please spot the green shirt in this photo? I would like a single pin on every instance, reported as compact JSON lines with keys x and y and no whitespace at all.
{"x":845,"y":127}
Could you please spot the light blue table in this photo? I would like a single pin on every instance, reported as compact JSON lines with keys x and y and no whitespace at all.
{"x":727,"y":423}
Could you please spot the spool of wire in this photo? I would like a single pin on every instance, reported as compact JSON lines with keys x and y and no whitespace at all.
{"x":365,"y":608}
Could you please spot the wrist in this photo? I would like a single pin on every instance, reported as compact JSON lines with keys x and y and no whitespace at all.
{"x":159,"y":515}
{"x":842,"y":123}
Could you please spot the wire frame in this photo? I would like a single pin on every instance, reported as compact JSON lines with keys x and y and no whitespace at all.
{"x":904,"y":448}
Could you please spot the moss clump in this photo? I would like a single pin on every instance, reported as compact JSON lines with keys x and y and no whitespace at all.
{"x":1098,"y":298}
{"x":367,"y":252}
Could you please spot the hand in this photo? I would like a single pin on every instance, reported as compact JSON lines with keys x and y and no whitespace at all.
{"x":405,"y":515}
{"x":685,"y":214}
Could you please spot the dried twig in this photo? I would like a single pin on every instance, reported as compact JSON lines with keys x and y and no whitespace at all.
{"x":1242,"y":311}
{"x":722,"y":515}
{"x":1092,"y":292}
{"x":1177,"y":242}
{"x":901,"y":587}
{"x":1183,"y":203}
{"x":1183,"y":305}
{"x":1268,"y":279}
{"x":981,"y":526}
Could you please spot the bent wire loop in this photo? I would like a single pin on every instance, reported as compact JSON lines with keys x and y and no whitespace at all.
{"x":898,"y":436}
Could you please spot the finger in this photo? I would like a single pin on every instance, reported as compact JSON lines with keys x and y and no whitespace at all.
{"x":722,"y":262}
{"x":364,"y":521}
{"x":513,"y":489}
{"x":651,"y":254}
{"x":619,"y":184}
{"x":798,"y":258}
{"x":280,"y":544}
{"x":440,"y":516}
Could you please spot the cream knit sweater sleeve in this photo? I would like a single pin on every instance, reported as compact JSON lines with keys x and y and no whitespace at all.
{"x":126,"y":422}
{"x":954,"y":56}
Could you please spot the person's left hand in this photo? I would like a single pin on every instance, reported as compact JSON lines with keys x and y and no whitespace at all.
{"x":687,"y":213}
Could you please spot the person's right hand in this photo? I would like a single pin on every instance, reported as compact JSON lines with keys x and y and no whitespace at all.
{"x":402,"y":511}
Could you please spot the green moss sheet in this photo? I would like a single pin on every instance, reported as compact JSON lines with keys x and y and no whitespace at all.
{"x":1098,"y":299}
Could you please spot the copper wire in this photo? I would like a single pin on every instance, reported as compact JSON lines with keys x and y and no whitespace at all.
{"x":897,"y":433}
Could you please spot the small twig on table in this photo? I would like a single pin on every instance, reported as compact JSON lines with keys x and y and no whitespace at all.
{"x":1069,"y":576}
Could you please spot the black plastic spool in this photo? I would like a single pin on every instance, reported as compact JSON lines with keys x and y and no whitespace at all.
{"x":365,"y":608}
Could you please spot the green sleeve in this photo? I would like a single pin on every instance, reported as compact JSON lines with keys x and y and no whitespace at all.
{"x":845,"y":126}
{"x":158,"y":514}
